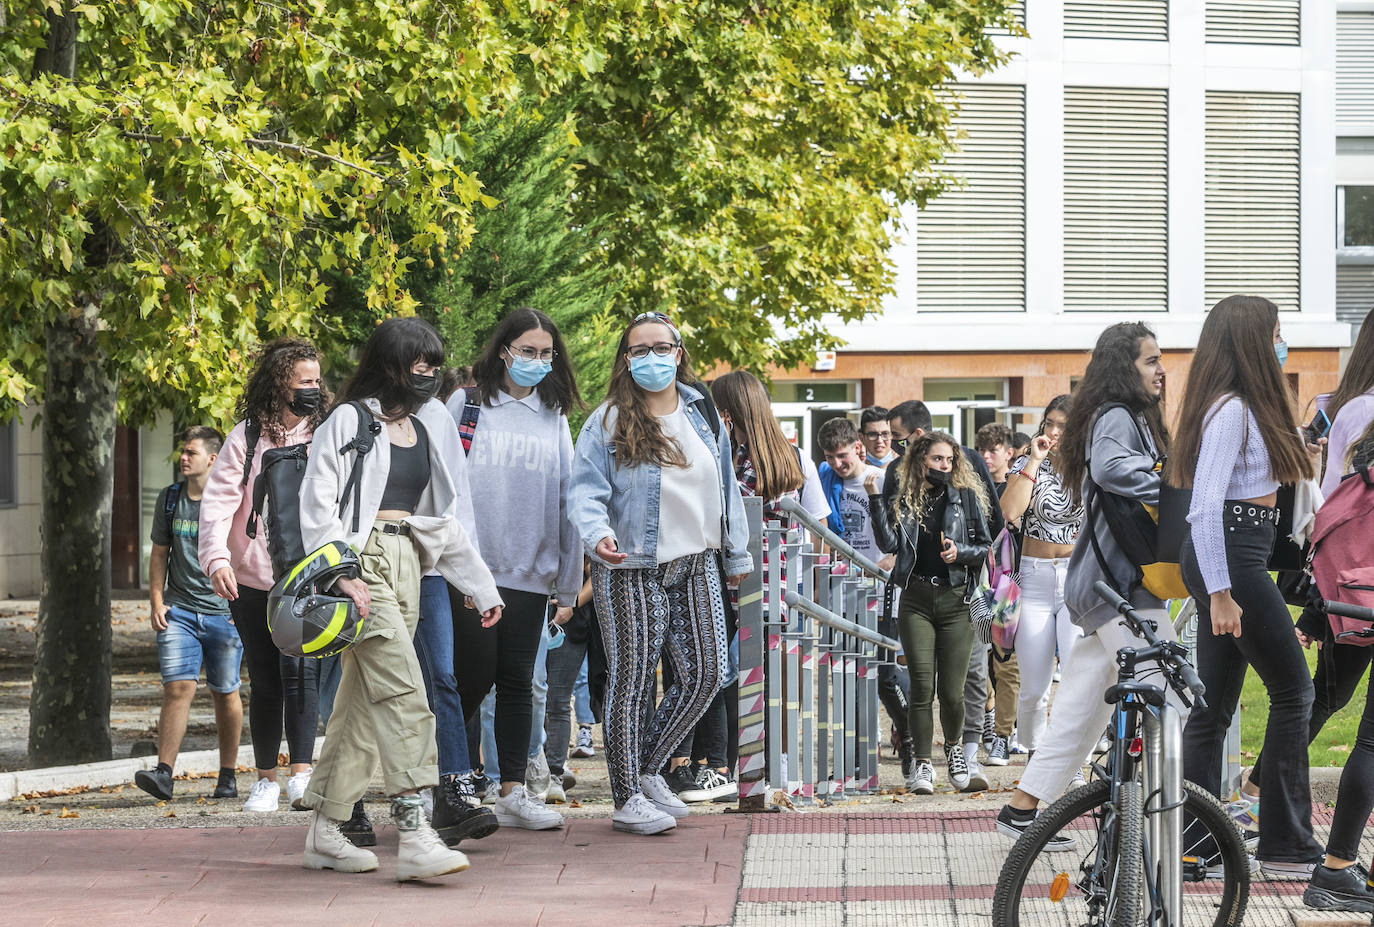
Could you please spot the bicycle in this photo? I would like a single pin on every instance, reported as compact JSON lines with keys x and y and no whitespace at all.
{"x":1130,"y":861}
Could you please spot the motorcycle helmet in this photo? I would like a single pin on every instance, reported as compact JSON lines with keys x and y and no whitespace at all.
{"x":307,"y":619}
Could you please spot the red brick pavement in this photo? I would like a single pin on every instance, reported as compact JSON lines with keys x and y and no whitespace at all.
{"x":585,"y":875}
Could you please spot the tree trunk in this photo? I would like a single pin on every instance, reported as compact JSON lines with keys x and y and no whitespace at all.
{"x":69,"y":716}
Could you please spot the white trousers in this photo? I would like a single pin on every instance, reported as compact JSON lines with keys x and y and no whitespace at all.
{"x":1081,"y":714}
{"x":1044,"y":626}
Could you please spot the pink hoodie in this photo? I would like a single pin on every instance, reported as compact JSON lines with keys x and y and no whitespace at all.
{"x":225,"y":506}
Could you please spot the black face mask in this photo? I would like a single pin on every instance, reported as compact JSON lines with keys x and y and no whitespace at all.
{"x":426,"y":387}
{"x":938,"y":478}
{"x":304,"y":401}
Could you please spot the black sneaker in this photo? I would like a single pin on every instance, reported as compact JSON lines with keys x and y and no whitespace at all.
{"x":358,"y":829}
{"x":482,"y":785}
{"x":906,"y":750}
{"x":998,"y":753}
{"x":1013,"y":822}
{"x":682,"y":779}
{"x":989,"y":727}
{"x":459,"y":814}
{"x":157,"y":782}
{"x":227,"y":786}
{"x":1340,"y":890}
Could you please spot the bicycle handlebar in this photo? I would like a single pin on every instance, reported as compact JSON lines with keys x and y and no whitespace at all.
{"x":1176,"y":667}
{"x":1358,"y":612}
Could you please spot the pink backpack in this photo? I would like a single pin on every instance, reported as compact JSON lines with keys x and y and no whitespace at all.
{"x":1342,"y":557}
{"x":1001,"y":590}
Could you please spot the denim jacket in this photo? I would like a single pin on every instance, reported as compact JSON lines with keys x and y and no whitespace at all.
{"x":605,"y":499}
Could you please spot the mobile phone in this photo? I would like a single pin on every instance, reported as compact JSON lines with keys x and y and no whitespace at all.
{"x":1318,"y":428}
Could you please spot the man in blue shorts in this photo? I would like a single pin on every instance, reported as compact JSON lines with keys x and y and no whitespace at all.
{"x":192,"y":624}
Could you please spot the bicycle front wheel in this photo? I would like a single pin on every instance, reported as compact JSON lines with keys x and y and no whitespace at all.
{"x":1067,"y":869}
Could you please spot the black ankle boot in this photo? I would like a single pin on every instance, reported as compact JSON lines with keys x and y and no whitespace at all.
{"x":459,"y":813}
{"x":358,"y":828}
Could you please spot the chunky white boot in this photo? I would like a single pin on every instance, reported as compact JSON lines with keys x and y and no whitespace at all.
{"x":326,"y":848}
{"x":422,"y":853}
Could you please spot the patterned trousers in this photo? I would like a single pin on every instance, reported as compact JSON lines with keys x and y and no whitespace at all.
{"x":675,"y":608}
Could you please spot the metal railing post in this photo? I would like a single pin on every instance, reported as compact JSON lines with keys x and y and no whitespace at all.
{"x":752,"y":682}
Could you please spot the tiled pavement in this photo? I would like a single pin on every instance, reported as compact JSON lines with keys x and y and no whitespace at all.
{"x":861,"y":868}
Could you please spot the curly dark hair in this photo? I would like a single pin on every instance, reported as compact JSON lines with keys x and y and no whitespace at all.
{"x":269,"y":387}
{"x":1111,"y":377}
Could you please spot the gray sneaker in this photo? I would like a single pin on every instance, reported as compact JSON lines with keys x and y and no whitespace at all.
{"x":998,"y":753}
{"x":956,"y":764}
{"x":922,"y":781}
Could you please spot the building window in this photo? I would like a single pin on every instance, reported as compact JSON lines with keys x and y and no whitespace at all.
{"x":1354,"y":253}
{"x":971,"y":239}
{"x":9,"y":465}
{"x":1017,"y":8}
{"x":1355,"y":72}
{"x":1117,"y":19}
{"x":1116,"y":200}
{"x":1254,"y":22}
{"x":1252,"y":197}
{"x":1355,"y":213}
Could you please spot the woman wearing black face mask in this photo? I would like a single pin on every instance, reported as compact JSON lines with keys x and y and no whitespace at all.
{"x":283,"y":404}
{"x":933,"y":516}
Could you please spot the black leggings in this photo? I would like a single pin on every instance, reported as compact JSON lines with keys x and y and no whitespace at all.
{"x":283,"y":688}
{"x":1267,"y":644}
{"x":1355,"y":799}
{"x":504,"y":656}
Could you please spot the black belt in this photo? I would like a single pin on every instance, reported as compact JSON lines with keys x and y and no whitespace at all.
{"x":1247,"y":513}
{"x":402,"y":530}
{"x":932,"y":580}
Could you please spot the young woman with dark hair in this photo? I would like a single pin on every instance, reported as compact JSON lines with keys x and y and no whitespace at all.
{"x":520,"y":454}
{"x":656,"y":503}
{"x":1115,"y":437}
{"x":401,"y":516}
{"x":285,"y":401}
{"x":933,"y":516}
{"x":1038,"y":496}
{"x":1237,"y":441}
{"x":1351,"y":407}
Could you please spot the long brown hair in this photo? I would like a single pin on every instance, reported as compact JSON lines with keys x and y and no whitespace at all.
{"x":269,"y":387}
{"x":638,"y":438}
{"x":1359,"y":371}
{"x":1235,"y":357}
{"x":912,"y":489}
{"x":740,"y":395}
{"x":558,"y":390}
{"x":1111,"y":377}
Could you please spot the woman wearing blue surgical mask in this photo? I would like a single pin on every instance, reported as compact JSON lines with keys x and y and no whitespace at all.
{"x":514,"y":429}
{"x":656,"y":504}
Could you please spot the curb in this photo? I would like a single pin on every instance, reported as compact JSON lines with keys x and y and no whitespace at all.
{"x":113,"y":772}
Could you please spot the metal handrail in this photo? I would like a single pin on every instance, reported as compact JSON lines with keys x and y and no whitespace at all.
{"x":843,"y":625}
{"x":794,"y":508}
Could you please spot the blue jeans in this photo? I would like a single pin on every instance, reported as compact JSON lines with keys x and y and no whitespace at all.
{"x":582,"y":697}
{"x":193,"y":638}
{"x":539,"y":692}
{"x":434,"y":647}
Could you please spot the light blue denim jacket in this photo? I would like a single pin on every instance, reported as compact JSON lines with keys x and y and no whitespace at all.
{"x":622,"y":502}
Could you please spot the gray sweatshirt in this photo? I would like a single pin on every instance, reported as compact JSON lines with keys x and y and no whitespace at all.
{"x":518,"y":470}
{"x":1118,"y":463}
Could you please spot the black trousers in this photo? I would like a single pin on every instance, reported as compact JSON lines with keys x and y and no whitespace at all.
{"x":503,"y":656}
{"x":1267,"y":643}
{"x":285,"y":691}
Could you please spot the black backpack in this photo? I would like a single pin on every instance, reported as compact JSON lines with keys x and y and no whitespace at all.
{"x":279,"y":486}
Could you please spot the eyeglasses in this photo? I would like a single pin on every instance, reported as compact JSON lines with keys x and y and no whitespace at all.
{"x":878,"y":435}
{"x":547,"y":354}
{"x":662,"y":349}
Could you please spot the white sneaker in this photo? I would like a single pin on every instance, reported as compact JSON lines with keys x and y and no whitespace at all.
{"x":295,"y":789}
{"x":421,"y":854}
{"x":521,"y":809}
{"x":662,"y":797}
{"x":922,"y":781}
{"x":537,"y":776}
{"x":265,"y":796}
{"x":583,"y":748}
{"x":641,"y":816}
{"x":1077,"y":782}
{"x":977,"y":779}
{"x":556,"y":794}
{"x":326,"y":848}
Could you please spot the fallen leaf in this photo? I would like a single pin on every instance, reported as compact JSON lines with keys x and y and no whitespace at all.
{"x":29,"y":809}
{"x":170,"y":814}
{"x":574,"y":803}
{"x":68,"y":814}
{"x":1340,"y":748}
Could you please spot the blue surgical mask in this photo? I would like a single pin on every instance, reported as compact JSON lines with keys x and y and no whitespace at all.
{"x":556,"y":636}
{"x":528,"y":372}
{"x":654,"y":373}
{"x":1281,"y":351}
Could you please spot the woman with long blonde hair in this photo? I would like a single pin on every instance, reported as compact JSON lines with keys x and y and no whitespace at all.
{"x":654,"y":499}
{"x":933,"y":516}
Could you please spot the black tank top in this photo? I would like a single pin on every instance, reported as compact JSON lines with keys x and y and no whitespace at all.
{"x":409,"y":474}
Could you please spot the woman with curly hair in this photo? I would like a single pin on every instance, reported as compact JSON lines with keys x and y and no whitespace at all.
{"x":284,"y":403}
{"x":655,"y":502}
{"x":933,"y":516}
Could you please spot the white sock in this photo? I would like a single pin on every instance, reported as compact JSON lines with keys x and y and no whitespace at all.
{"x":971,"y":752}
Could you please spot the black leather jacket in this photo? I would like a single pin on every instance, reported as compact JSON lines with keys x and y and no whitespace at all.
{"x":964,"y":524}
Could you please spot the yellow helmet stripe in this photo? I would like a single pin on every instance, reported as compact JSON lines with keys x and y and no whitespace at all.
{"x":336,"y":623}
{"x":328,"y":551}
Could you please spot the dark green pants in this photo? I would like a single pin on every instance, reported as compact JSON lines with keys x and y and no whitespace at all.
{"x":936,"y":637}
